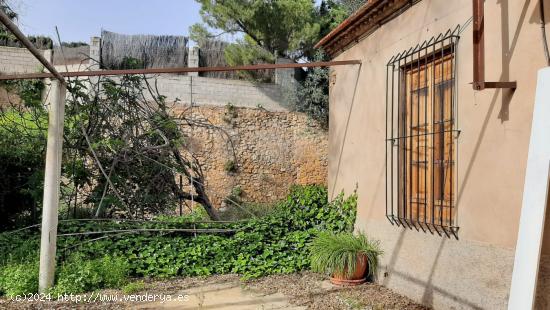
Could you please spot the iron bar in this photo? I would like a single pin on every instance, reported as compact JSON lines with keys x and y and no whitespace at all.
{"x":180,"y":70}
{"x":479,"y":82}
{"x":198,"y":230}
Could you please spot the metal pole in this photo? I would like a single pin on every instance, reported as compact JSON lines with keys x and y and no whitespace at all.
{"x":479,"y":45}
{"x":51,"y":186}
{"x":45,"y":75}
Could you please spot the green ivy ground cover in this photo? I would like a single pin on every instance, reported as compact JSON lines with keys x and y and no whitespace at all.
{"x":276,"y":243}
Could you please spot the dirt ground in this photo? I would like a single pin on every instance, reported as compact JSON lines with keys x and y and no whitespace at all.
{"x":296,"y":291}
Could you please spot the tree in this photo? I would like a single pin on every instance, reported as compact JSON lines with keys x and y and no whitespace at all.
{"x":124,"y":148}
{"x":352,"y":5}
{"x":312,"y":95}
{"x":281,"y":28}
{"x":124,"y":143}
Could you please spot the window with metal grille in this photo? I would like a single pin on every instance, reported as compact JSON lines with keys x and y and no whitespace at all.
{"x":421,"y":136}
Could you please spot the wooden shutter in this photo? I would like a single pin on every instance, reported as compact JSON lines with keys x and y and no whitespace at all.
{"x":427,"y":151}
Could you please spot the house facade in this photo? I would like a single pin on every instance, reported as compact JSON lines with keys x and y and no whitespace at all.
{"x":439,"y":167}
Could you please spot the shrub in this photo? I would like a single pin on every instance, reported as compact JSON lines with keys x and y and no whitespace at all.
{"x":18,"y":279}
{"x":276,"y":243}
{"x":133,"y":287}
{"x":230,"y":166}
{"x":79,"y":275}
{"x":21,"y":167}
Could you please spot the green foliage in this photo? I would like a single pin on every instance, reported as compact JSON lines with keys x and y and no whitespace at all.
{"x":133,"y":287}
{"x":247,"y":211}
{"x":230,"y":166}
{"x":272,"y":29}
{"x":18,"y":279}
{"x":79,"y":275}
{"x":136,"y":148}
{"x":351,"y":5}
{"x":22,"y":149}
{"x":230,"y":114}
{"x":8,"y":39}
{"x":29,"y":91}
{"x":235,"y":197}
{"x":338,"y":253}
{"x":293,"y":23}
{"x":129,"y":63}
{"x":312,"y":95}
{"x":74,"y":44}
{"x":199,"y":34}
{"x":276,"y":243}
{"x":247,"y":52}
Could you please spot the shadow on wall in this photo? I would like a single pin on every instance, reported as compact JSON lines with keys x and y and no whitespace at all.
{"x":508,"y":49}
{"x":342,"y":142}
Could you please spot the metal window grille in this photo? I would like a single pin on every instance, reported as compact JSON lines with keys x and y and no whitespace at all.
{"x":422,"y":136}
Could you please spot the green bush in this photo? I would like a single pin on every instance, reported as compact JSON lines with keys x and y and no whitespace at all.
{"x":133,"y":287}
{"x":18,"y":279}
{"x":22,"y":145}
{"x":276,"y":243}
{"x":78,"y":275}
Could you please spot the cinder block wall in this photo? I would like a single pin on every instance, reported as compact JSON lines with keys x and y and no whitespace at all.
{"x":19,"y":60}
{"x":220,"y":92}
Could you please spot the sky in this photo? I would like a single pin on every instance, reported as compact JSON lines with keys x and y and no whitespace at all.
{"x":78,"y":20}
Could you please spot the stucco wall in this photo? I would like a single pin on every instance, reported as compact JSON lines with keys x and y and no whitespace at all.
{"x":273,"y":151}
{"x":474,"y":271}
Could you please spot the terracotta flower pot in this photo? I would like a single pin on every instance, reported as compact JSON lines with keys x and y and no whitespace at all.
{"x":358,"y":276}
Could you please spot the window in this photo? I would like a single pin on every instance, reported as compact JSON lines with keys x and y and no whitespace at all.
{"x":421,"y":137}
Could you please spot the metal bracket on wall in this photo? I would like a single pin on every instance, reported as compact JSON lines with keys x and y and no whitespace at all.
{"x":479,"y":82}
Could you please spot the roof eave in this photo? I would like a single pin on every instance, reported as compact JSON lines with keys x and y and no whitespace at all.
{"x":370,"y":16}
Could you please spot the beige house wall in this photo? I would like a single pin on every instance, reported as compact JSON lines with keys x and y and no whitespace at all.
{"x":474,"y":271}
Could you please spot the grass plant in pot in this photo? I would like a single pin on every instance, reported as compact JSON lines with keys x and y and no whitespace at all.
{"x":349,"y":259}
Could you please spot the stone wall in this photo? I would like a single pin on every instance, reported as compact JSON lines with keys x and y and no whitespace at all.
{"x":273,"y":151}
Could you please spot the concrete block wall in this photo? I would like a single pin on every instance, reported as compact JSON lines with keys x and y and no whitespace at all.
{"x":20,"y":60}
{"x":220,"y":92}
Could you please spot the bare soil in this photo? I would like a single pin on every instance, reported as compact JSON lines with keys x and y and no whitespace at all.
{"x":315,"y":292}
{"x":303,"y":290}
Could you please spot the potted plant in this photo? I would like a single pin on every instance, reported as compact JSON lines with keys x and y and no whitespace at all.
{"x":349,"y":259}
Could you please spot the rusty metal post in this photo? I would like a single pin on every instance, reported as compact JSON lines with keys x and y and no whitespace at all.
{"x":479,"y":82}
{"x":479,"y":45}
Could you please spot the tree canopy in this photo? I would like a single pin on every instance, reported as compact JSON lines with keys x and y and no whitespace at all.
{"x":271,"y":28}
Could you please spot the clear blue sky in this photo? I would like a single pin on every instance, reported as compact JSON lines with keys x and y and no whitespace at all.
{"x":78,"y":20}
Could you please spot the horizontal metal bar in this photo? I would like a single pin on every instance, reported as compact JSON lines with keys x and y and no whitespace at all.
{"x":198,"y":230}
{"x":423,"y":134}
{"x":181,"y":70}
